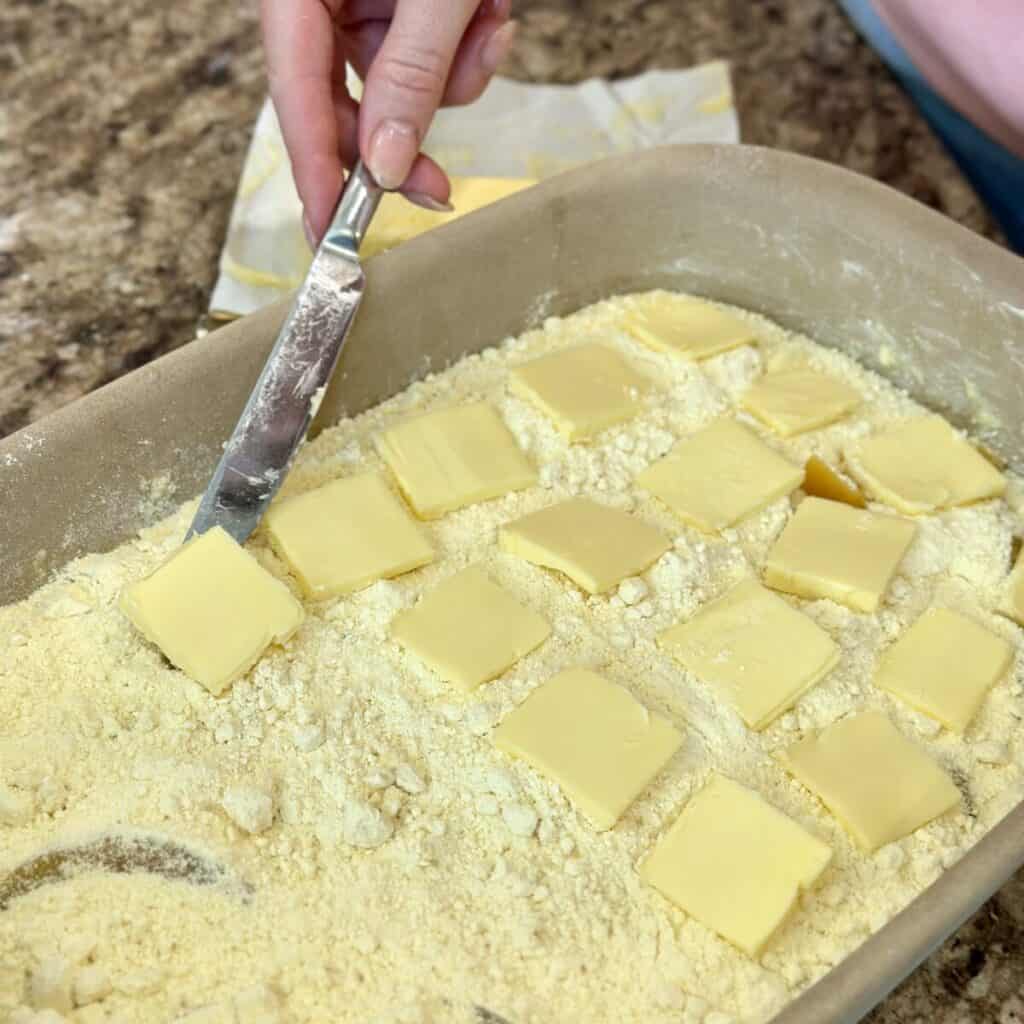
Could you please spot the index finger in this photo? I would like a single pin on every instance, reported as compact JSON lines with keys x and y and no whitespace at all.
{"x":406,"y":81}
{"x":299,"y":42}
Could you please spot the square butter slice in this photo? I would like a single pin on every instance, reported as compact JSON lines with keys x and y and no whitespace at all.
{"x":798,"y":399}
{"x":720,"y":475}
{"x":1012,"y":602}
{"x":829,"y":549}
{"x":686,"y":326}
{"x":212,"y":609}
{"x":943,"y":665}
{"x":469,"y":630}
{"x":595,"y":546}
{"x":735,"y":863}
{"x":583,"y":389}
{"x":346,"y":535}
{"x":591,"y":737}
{"x":922,"y":465}
{"x":455,"y":457}
{"x":759,"y":652}
{"x":876,"y":782}
{"x":822,"y":481}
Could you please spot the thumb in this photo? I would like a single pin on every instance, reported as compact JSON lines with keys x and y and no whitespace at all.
{"x":406,"y":82}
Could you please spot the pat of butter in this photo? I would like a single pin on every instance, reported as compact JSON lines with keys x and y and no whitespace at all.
{"x":602,"y":746}
{"x":212,"y":609}
{"x":1012,"y":602}
{"x":922,"y":465}
{"x":719,"y":475}
{"x":763,"y":654}
{"x":876,"y":782}
{"x":583,"y":389}
{"x":597,"y":547}
{"x":346,"y":535}
{"x":822,"y":481}
{"x":735,"y":863}
{"x":683,"y":325}
{"x":831,"y":550}
{"x":798,"y":399}
{"x":454,"y":457}
{"x":943,"y":665}
{"x":397,"y":220}
{"x":469,"y":630}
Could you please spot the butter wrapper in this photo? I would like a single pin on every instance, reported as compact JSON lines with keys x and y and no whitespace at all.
{"x":515,"y":131}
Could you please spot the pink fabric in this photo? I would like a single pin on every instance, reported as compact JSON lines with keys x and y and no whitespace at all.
{"x":972,"y":53}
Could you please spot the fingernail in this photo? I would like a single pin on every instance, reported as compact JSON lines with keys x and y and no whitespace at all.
{"x":499,"y":9}
{"x":393,"y":148}
{"x":308,"y":230}
{"x":428,"y":202}
{"x":497,"y":47}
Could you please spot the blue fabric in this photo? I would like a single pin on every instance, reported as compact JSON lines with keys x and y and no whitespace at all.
{"x":996,"y":174}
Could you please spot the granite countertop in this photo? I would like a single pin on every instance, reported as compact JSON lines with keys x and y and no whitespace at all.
{"x":123,"y":131}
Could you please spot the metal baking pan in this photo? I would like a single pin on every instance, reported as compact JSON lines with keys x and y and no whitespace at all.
{"x":850,"y":262}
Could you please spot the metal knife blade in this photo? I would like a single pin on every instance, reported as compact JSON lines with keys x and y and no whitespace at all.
{"x":287,"y":395}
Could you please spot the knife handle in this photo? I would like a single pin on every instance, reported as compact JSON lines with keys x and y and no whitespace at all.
{"x":355,"y":210}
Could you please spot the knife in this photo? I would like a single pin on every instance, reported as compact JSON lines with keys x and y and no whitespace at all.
{"x":288,"y":393}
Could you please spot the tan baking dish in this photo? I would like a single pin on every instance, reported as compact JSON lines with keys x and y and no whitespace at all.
{"x":850,"y":262}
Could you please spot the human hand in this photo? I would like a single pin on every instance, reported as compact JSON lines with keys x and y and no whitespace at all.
{"x":413,"y":56}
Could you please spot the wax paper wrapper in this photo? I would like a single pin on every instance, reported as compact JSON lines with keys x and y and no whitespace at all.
{"x":513,"y":131}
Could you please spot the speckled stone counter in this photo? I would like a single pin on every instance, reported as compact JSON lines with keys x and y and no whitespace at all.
{"x":123,"y":128}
